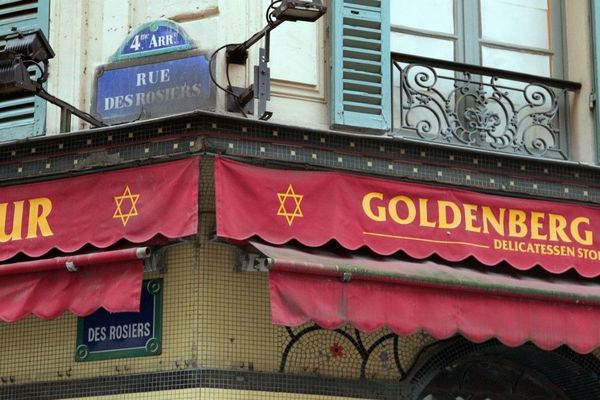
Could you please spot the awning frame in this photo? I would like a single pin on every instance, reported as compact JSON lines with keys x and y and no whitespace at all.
{"x":564,"y":291}
{"x":372,"y":292}
{"x":73,"y":262}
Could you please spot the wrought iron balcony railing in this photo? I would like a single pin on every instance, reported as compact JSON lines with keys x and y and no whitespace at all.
{"x":478,"y":107}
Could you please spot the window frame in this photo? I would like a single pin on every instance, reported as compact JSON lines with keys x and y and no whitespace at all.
{"x":468,"y":41}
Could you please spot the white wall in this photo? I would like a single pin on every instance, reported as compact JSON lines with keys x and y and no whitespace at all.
{"x":85,"y":33}
{"x":579,"y":69}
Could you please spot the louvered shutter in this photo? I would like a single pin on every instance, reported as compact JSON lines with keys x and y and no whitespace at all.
{"x":22,"y":116}
{"x":360,"y":64}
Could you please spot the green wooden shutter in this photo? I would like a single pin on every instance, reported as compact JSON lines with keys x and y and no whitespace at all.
{"x":22,"y":116}
{"x":360,"y":64}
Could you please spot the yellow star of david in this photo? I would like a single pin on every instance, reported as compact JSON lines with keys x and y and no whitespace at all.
{"x":290,"y":194}
{"x":133,"y":198}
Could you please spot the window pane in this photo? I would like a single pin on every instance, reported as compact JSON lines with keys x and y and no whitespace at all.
{"x":528,"y":63}
{"x":519,"y":22}
{"x":422,"y":46}
{"x":430,"y":15}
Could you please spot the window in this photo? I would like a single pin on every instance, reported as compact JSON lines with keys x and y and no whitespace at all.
{"x":516,"y":35}
{"x":22,"y":116}
{"x":478,"y":32}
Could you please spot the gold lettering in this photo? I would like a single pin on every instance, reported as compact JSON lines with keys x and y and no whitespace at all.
{"x":471,"y":218}
{"x":410,"y":208}
{"x":423,"y":214}
{"x":588,"y":239}
{"x":16,"y":222}
{"x":366,"y":204}
{"x":403,"y":210}
{"x":516,"y":223}
{"x":488,"y":217}
{"x":443,"y":206}
{"x":537,"y":225}
{"x":556,"y":227}
{"x":39,"y":210}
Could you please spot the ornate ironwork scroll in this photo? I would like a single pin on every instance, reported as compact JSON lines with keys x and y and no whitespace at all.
{"x":475,"y":108}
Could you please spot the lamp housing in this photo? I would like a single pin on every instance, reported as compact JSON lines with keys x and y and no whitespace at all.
{"x":29,"y":45}
{"x":14,"y":77}
{"x":22,"y":54}
{"x":22,"y":51}
{"x":299,"y":10}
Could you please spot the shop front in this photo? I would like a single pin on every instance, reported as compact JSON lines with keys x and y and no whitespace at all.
{"x":328,"y":285}
{"x":514,"y":277}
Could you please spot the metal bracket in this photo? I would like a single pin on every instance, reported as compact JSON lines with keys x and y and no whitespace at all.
{"x":250,"y":262}
{"x":156,"y":262}
{"x":262,"y":81}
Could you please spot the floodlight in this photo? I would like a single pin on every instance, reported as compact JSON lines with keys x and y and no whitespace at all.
{"x":14,"y":77}
{"x":24,"y":69}
{"x":22,"y":50}
{"x":288,"y":10}
{"x":30,"y":45}
{"x":299,"y":10}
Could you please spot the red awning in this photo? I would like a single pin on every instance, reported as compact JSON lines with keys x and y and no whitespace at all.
{"x":133,"y":205}
{"x":80,"y":283}
{"x":389,"y":216}
{"x":101,"y":209}
{"x":408,"y":296}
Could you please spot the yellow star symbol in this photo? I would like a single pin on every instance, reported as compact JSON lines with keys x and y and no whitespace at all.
{"x":283,"y":210}
{"x":133,"y":198}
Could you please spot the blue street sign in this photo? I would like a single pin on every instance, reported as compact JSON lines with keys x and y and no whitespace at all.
{"x":151,"y":90}
{"x":156,"y":37}
{"x":103,"y":335}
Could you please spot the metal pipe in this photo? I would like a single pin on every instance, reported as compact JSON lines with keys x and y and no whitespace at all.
{"x":521,"y":288}
{"x":237,"y":54}
{"x":64,"y":105}
{"x":75,"y":261}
